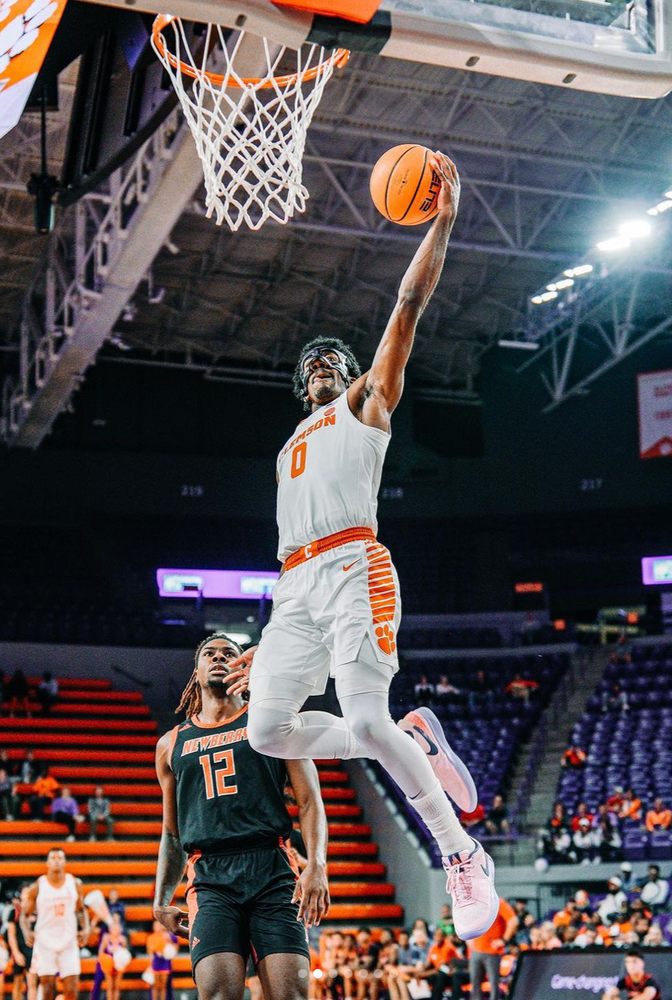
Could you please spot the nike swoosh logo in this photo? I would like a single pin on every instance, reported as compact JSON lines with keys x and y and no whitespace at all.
{"x":346,"y":568}
{"x":433,"y":749}
{"x":486,"y":869}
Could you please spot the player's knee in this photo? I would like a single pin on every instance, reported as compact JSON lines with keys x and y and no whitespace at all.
{"x":269,"y":730}
{"x":368,"y":730}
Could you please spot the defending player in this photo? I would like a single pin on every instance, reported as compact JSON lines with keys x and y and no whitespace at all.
{"x":20,"y":952}
{"x":637,"y":983}
{"x":223,"y":804}
{"x":336,"y":605}
{"x":61,"y":927}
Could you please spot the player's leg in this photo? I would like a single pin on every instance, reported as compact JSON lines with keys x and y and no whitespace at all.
{"x":284,"y":976}
{"x":48,"y":985}
{"x":160,"y":985}
{"x":70,"y":987}
{"x":220,"y":977}
{"x":31,"y":979}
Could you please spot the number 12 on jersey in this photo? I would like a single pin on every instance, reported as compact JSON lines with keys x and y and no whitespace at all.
{"x":218,"y":786}
{"x":299,"y":460}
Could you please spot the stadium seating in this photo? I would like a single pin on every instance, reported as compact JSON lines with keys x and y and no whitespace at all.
{"x":631,"y":748}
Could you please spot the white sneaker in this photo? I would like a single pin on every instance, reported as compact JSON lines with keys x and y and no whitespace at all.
{"x":453,"y":774}
{"x":471,"y":884}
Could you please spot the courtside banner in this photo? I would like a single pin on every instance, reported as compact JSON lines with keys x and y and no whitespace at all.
{"x":654,"y":393}
{"x":582,"y":975}
{"x":26,"y":30}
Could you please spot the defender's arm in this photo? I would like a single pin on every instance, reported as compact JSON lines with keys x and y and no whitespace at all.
{"x":172,"y":858}
{"x":312,"y":888}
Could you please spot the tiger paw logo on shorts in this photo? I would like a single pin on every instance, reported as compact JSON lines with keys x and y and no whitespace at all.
{"x":385,"y":637}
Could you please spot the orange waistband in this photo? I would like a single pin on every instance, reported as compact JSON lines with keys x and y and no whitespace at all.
{"x":315,"y":548}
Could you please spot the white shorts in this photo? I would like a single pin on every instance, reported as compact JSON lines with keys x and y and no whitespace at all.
{"x":322,"y":611}
{"x":62,"y":963}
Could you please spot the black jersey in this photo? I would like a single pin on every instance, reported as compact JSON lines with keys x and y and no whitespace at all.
{"x":229,"y":797}
{"x":633,"y":989}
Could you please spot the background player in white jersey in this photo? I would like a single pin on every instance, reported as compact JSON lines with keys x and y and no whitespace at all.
{"x":336,"y":607}
{"x":61,"y":927}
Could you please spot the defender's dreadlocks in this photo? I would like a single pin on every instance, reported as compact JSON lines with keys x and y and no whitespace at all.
{"x":192,"y":701}
{"x":333,"y":343}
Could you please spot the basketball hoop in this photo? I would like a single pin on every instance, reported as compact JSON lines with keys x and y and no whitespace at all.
{"x":250,"y":132}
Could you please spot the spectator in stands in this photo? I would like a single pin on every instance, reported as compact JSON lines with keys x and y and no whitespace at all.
{"x":445,"y":921}
{"x":473,"y":819}
{"x":480,"y":694}
{"x":585,"y":841}
{"x":622,"y":652}
{"x":158,"y":944}
{"x":445,"y":690}
{"x":655,"y":890}
{"x":555,"y":840}
{"x":7,"y":795}
{"x":641,"y":925}
{"x":16,"y":694}
{"x":615,"y":700}
{"x":100,"y":811}
{"x":29,"y":768}
{"x":610,"y":906}
{"x":580,"y":814}
{"x":396,"y":983}
{"x":44,"y":790}
{"x":368,"y":985}
{"x":497,"y":820}
{"x":420,"y":927}
{"x":655,"y":938}
{"x":115,"y":905}
{"x":574,"y":757}
{"x":485,"y":951}
{"x":607,"y":837}
{"x":64,"y":809}
{"x":549,"y":938}
{"x":636,"y":982}
{"x":520,"y":688}
{"x":626,"y":875}
{"x":587,"y":937}
{"x":451,"y":967}
{"x":47,"y":692}
{"x":658,"y":817}
{"x":616,"y":800}
{"x":424,"y":691}
{"x":631,"y":807}
{"x":568,"y":915}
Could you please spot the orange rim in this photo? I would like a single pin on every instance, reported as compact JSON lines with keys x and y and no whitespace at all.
{"x":337,"y":59}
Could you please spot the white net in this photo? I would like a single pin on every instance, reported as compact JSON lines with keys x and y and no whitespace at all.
{"x":250,"y":133}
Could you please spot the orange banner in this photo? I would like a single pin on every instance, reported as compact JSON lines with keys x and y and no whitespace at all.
{"x":352,"y":10}
{"x":26,"y":30}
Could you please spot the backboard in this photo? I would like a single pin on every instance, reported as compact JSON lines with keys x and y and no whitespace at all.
{"x":622,"y":48}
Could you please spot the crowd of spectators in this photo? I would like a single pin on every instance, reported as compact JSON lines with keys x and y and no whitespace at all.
{"x":32,"y":782}
{"x":428,"y":961}
{"x":585,"y":836}
{"x":477,"y":694}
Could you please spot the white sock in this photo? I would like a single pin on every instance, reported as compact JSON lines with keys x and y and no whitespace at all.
{"x":439,"y":817}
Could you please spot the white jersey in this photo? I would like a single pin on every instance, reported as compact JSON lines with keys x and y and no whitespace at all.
{"x":56,"y":924}
{"x":328,"y":476}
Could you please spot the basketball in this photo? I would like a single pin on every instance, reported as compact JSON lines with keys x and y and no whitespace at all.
{"x":404,"y":188}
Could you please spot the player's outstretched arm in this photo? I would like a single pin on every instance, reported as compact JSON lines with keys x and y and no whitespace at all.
{"x":312,"y":887}
{"x":375,"y":396}
{"x":27,"y":910}
{"x":172,"y":858}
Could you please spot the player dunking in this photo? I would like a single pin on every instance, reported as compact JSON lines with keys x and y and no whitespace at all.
{"x":61,"y":927}
{"x":223,"y":805}
{"x":336,"y":605}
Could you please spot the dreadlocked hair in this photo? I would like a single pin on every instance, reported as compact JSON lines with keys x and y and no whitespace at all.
{"x":336,"y":344}
{"x":192,"y":701}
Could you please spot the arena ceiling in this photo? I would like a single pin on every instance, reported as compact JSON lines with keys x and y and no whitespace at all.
{"x":545,"y":173}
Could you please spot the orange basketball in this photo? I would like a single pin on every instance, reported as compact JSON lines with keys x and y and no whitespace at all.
{"x":404,"y":188}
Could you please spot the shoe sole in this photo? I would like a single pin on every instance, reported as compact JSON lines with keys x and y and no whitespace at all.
{"x":494,"y":910}
{"x":470,"y":800}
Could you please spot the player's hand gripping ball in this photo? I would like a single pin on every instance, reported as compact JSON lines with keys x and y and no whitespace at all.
{"x":409,"y":182}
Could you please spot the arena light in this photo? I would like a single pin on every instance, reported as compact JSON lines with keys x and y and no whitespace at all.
{"x":635,"y":229}
{"x":548,"y":296}
{"x":613,"y":244}
{"x":662,"y":206}
{"x":564,"y":283}
{"x":577,"y":272}
{"x":536,"y":300}
{"x":525,"y":345}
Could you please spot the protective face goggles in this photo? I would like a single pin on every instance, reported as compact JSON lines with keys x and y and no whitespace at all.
{"x":327,"y":356}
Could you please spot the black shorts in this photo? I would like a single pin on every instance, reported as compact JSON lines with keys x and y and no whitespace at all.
{"x":242,"y":903}
{"x":20,"y":970}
